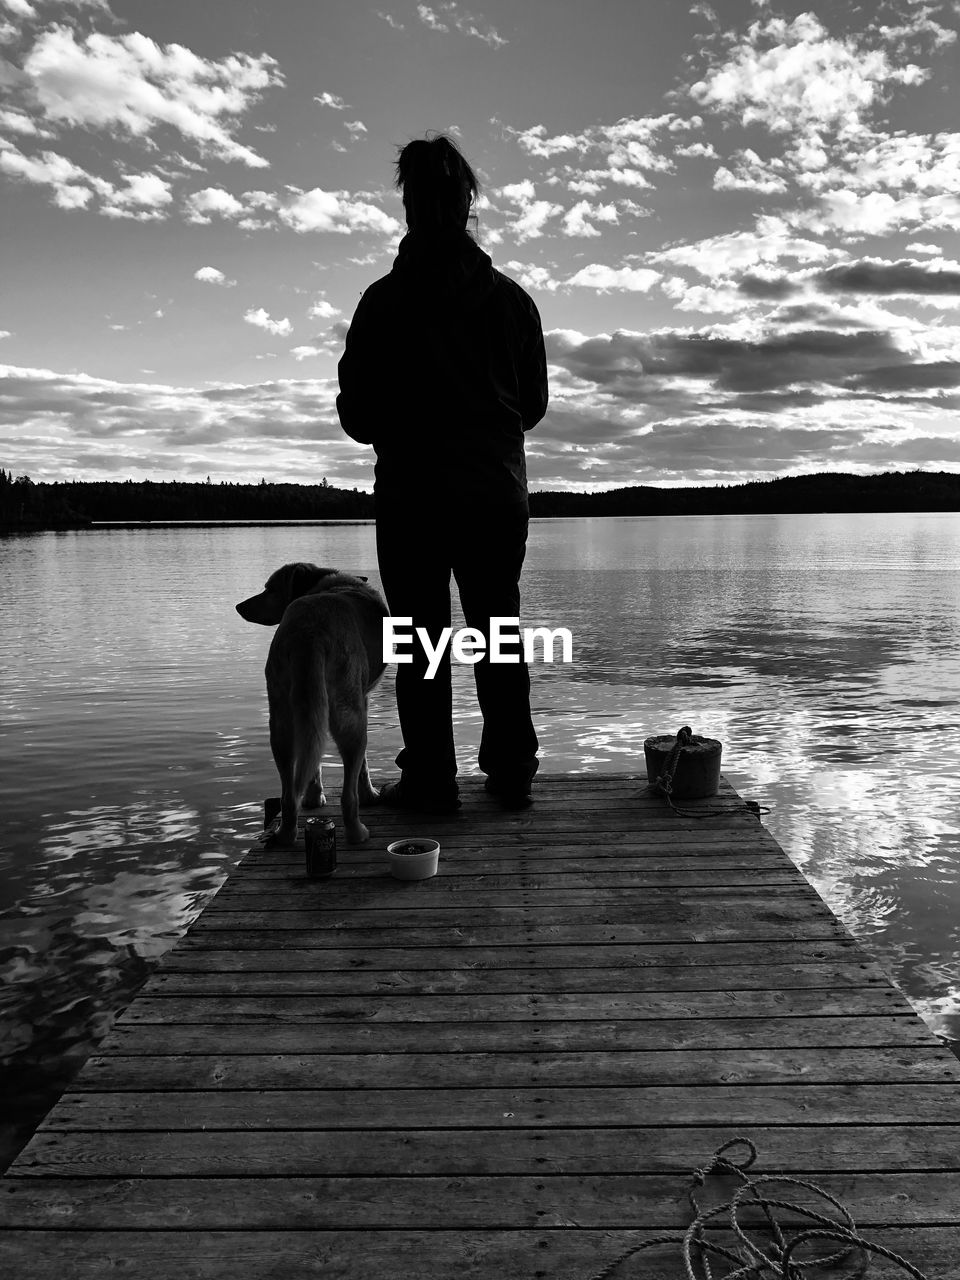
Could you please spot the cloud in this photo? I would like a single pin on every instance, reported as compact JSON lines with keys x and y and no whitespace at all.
{"x":617,"y":362}
{"x":528,"y":222}
{"x":17,"y":121}
{"x":918,"y":24}
{"x":131,"y":85}
{"x":72,"y":186}
{"x":627,"y":408}
{"x":905,"y":277}
{"x":144,"y":196}
{"x":305,"y":353}
{"x":281,"y":328}
{"x":54,"y":424}
{"x":331,"y":100}
{"x":429,"y":18}
{"x":633,"y":143}
{"x":771,"y":241}
{"x":598,"y":276}
{"x":447,"y":16}
{"x":201,"y":205}
{"x":579,"y":220}
{"x":877,"y":213}
{"x":795,"y":77}
{"x":630,"y":152}
{"x":390,"y":20}
{"x":322,"y":310}
{"x":533,"y":276}
{"x":898,"y":162}
{"x":534,"y":142}
{"x":935,"y":374}
{"x":697,"y":405}
{"x":594,"y":276}
{"x":335,"y":211}
{"x":212,"y":275}
{"x":697,"y":150}
{"x":355,"y":127}
{"x":758,"y":285}
{"x":750,"y":173}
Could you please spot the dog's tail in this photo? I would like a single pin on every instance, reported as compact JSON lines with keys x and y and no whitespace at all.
{"x":299,"y":719}
{"x":310,"y":714}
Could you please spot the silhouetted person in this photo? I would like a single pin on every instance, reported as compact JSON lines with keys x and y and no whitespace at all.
{"x":444,"y":369}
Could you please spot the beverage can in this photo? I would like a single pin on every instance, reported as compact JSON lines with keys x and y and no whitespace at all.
{"x":320,"y":846}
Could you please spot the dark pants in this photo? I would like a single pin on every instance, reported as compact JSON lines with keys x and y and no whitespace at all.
{"x":485,"y":553}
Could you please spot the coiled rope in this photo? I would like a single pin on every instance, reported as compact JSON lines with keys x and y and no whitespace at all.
{"x":779,"y":1259}
{"x":665,"y":783}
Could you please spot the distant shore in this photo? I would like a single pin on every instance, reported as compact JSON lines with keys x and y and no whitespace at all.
{"x":28,"y":506}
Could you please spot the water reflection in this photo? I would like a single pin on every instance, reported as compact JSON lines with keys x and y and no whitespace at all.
{"x":834,"y":693}
{"x":109,"y":889}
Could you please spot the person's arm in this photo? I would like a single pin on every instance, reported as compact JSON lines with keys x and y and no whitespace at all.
{"x":358,"y":415}
{"x":534,"y":393}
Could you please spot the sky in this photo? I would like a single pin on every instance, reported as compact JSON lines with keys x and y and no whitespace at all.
{"x":740,"y":222}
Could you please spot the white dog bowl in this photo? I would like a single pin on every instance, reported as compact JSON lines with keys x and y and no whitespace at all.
{"x":419,"y":865}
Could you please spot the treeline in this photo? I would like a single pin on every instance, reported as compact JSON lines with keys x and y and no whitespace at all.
{"x":75,"y":503}
{"x":25,"y":504}
{"x":823,"y":491}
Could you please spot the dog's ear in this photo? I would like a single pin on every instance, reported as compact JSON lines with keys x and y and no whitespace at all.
{"x":304,"y":578}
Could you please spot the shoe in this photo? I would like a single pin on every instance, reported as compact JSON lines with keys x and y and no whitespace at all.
{"x":396,"y":795}
{"x":511,"y":793}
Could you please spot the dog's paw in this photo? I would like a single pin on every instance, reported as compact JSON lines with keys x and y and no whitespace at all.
{"x":315,"y":798}
{"x":369,"y":796}
{"x":358,"y":834}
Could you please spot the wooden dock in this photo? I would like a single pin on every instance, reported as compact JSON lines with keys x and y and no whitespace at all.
{"x":503,"y":1073}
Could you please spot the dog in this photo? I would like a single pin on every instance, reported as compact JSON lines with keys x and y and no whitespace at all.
{"x":326,"y":656}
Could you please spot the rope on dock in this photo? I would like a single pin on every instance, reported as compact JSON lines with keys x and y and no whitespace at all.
{"x":665,"y":784}
{"x":778,"y":1260}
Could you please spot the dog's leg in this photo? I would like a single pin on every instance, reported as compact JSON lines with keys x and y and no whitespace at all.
{"x":315,"y":797}
{"x":349,"y":730}
{"x":366,"y":791}
{"x":284,"y":755}
{"x":297,"y":733}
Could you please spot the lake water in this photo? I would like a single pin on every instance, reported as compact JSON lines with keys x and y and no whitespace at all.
{"x":823,"y":650}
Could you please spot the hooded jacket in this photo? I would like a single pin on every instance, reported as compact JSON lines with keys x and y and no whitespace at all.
{"x":443,"y":371}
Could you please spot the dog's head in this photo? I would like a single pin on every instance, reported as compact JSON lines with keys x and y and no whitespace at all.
{"x":286,"y":584}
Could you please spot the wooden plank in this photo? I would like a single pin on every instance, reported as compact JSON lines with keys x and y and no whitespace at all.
{"x":202,"y":998}
{"x":512,"y":863}
{"x":911,"y":1101}
{"x":702,"y":927}
{"x":474,"y":845}
{"x":538,"y":1254}
{"x":197,"y":952}
{"x":423,"y":912}
{"x":306,"y":1036}
{"x":518,"y":1067}
{"x":464,"y":1202}
{"x":362,"y":1153}
{"x":600,"y":885}
{"x":383,"y":893}
{"x":198,"y":971}
{"x":549,"y":826}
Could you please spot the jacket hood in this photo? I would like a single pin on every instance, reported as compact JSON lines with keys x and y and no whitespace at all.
{"x":446,"y":271}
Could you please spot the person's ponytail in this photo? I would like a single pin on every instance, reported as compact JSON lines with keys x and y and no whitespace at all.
{"x":437,"y":183}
